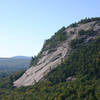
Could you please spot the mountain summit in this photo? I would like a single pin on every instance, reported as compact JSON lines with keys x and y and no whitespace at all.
{"x":58,"y":48}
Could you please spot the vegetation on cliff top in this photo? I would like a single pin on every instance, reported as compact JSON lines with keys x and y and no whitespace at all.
{"x":84,"y":21}
{"x":83,"y":63}
{"x":59,"y":36}
{"x":51,"y":44}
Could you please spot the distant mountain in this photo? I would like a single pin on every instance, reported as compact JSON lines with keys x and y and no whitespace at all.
{"x":14,"y":63}
{"x":21,"y":57}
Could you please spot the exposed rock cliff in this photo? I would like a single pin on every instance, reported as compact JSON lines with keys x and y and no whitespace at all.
{"x":50,"y":60}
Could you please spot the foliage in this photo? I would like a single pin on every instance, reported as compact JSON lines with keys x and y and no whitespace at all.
{"x":57,"y":37}
{"x":87,"y":20}
{"x":61,"y":36}
{"x":84,"y":21}
{"x":35,"y":59}
{"x":7,"y":82}
{"x":83,"y":63}
{"x":88,"y":33}
{"x":82,"y":36}
{"x":50,"y":44}
{"x":76,"y":42}
{"x":74,"y":25}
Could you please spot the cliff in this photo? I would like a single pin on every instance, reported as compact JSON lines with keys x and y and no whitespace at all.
{"x":57,"y":49}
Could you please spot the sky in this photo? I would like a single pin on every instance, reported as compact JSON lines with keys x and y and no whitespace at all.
{"x":26,"y":24}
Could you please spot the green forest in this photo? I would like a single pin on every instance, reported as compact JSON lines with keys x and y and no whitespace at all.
{"x":83,"y":63}
{"x":82,"y":66}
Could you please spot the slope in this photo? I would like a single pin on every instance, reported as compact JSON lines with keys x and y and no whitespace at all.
{"x":57,"y":49}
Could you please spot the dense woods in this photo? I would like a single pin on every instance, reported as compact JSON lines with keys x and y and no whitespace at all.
{"x":83,"y":63}
{"x":76,"y":78}
{"x":84,"y":21}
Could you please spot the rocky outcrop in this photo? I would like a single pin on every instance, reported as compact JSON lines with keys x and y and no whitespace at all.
{"x":71,"y":78}
{"x":51,"y":60}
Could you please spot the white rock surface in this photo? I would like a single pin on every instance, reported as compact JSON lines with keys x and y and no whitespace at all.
{"x":53,"y":59}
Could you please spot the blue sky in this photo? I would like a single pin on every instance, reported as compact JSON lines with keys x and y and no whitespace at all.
{"x":25,"y":24}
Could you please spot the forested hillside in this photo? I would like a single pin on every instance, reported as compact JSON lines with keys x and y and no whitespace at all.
{"x":76,"y":78}
{"x":9,"y":65}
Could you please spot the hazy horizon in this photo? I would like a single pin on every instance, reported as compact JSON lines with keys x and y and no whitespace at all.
{"x":16,"y":56}
{"x":26,"y":24}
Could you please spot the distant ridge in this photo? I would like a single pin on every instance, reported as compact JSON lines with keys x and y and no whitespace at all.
{"x":15,"y":63}
{"x":21,"y":57}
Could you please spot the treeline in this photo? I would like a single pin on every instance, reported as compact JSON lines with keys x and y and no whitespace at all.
{"x":84,"y":21}
{"x":60,"y":36}
{"x":83,"y":64}
{"x":50,"y":44}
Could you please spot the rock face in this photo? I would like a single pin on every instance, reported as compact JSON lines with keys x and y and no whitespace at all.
{"x":51,"y":60}
{"x":71,"y":78}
